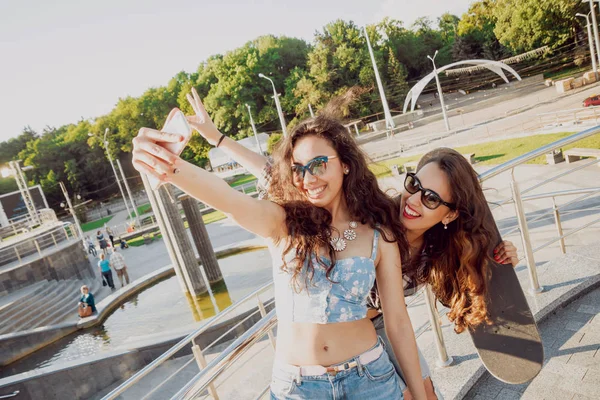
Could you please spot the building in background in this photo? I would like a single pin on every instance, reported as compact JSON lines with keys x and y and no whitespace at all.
{"x":225,"y":166}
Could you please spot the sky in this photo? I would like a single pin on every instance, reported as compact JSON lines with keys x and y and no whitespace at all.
{"x":62,"y":61}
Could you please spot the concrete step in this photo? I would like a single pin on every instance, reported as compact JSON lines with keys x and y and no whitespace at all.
{"x":12,"y":301}
{"x":24,"y":313}
{"x":67,"y":300}
{"x":42,"y":307}
{"x":69,"y":311}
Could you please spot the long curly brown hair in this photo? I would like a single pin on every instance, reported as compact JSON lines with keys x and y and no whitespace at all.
{"x":309,"y":226}
{"x":455,"y":261}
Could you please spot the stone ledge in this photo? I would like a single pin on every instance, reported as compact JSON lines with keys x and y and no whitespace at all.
{"x":564,"y":279}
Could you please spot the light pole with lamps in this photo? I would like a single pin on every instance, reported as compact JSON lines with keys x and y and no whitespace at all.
{"x":439,"y":88}
{"x":71,"y":210}
{"x":105,"y":142}
{"x":277,"y":104}
{"x":590,"y":42}
{"x":389,"y":121}
{"x":595,"y":26}
{"x":254,"y":130}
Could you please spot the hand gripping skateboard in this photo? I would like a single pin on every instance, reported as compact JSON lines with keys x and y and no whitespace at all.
{"x":511,"y":347}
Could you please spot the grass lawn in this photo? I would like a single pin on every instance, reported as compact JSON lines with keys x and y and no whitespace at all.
{"x":143,"y":209}
{"x":95,"y":225}
{"x":139,"y":241}
{"x":242,"y":179}
{"x":497,"y":152}
{"x":213,"y":217}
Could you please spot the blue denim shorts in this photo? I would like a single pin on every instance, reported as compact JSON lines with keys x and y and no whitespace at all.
{"x":374,"y":380}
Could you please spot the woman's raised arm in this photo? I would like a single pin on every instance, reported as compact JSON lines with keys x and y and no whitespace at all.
{"x":252,"y":161}
{"x":397,"y":322}
{"x":264,"y":218}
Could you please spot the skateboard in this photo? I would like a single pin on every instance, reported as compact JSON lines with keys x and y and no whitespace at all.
{"x":511,"y":347}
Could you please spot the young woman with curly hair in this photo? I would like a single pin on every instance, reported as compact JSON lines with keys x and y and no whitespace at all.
{"x":442,"y":208}
{"x":331,"y":232}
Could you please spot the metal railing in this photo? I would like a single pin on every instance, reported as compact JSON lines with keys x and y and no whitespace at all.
{"x":191,"y":340}
{"x":35,"y":244}
{"x":209,"y":372}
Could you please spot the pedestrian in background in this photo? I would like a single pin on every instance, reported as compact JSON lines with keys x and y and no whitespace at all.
{"x":110,"y":236}
{"x":117,"y":262}
{"x":105,"y":270}
{"x":101,"y":242}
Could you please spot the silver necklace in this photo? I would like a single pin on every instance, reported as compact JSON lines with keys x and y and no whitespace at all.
{"x":339,"y":243}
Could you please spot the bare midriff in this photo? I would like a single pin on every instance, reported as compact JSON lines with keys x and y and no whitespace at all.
{"x":304,"y":344}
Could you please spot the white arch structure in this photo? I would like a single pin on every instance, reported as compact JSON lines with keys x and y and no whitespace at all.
{"x":494,"y":66}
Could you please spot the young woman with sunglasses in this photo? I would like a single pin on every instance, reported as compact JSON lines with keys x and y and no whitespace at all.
{"x":331,"y":233}
{"x":448,"y":239}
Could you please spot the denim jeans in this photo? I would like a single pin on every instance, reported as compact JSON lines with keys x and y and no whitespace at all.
{"x":425,"y":372}
{"x":372,"y":381}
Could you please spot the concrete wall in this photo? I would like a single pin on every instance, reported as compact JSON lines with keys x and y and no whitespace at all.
{"x":78,"y":380}
{"x":18,"y":345}
{"x":69,"y":261}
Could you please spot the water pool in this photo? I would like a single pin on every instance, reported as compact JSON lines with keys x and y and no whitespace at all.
{"x":158,"y":309}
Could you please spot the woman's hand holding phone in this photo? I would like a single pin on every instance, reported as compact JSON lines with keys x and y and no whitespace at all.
{"x":152,"y":158}
{"x":156,"y":153}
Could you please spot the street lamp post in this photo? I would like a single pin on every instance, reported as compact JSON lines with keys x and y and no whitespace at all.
{"x":590,"y":42}
{"x":254,"y":130}
{"x":595,"y":26}
{"x":105,"y":142}
{"x":135,"y":210}
{"x":277,"y":104}
{"x":72,"y":211}
{"x":389,"y":121}
{"x":439,"y":88}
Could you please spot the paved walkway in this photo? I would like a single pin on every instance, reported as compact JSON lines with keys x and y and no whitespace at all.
{"x":506,"y":121}
{"x":571,"y":339}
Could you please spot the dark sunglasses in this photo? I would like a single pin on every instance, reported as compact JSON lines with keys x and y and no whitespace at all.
{"x":316,"y":167}
{"x":429,"y":198}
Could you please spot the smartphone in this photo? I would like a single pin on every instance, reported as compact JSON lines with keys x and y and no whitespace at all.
{"x":176,"y":123}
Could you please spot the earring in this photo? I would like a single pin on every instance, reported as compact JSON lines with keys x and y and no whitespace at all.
{"x":445,"y":226}
{"x":346,"y":171}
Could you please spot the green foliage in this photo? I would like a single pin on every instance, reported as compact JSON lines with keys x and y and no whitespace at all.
{"x":95,"y":225}
{"x":8,"y":185}
{"x":524,"y":25}
{"x":272,"y":142}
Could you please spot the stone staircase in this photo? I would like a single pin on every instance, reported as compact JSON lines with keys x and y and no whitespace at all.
{"x":43,"y":304}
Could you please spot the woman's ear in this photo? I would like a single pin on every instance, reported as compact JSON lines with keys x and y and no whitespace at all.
{"x":451,"y":216}
{"x":345,"y":168}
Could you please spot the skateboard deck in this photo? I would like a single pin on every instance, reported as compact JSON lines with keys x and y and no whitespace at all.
{"x":511,"y":347}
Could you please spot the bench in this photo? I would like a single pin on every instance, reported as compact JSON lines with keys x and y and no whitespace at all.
{"x":576,"y":154}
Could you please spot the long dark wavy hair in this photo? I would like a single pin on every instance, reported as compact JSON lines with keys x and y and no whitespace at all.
{"x":309,"y":226}
{"x":455,"y":261}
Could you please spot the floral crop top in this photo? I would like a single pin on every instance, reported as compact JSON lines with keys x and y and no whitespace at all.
{"x":324,"y":301}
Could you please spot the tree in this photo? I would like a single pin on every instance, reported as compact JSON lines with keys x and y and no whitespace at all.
{"x":397,"y":77}
{"x":524,"y":25}
{"x":475,"y":34}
